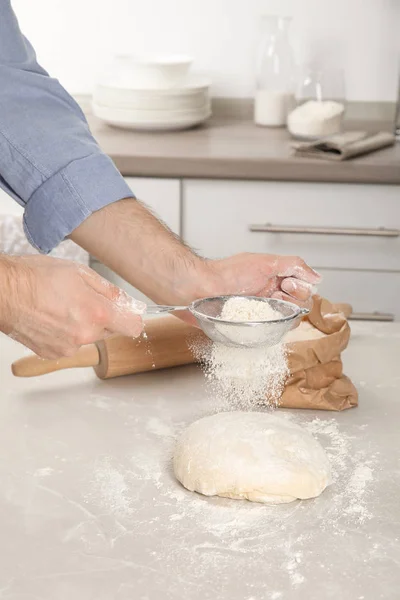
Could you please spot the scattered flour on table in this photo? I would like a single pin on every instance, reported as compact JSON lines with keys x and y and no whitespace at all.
{"x":201,"y":534}
{"x":244,"y":377}
{"x":352,"y":472}
{"x":110,"y":490}
{"x":43,"y":472}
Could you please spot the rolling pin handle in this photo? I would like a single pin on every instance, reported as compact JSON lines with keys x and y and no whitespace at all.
{"x":32,"y":366}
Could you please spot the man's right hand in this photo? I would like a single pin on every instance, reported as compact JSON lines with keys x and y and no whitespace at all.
{"x":54,"y":306}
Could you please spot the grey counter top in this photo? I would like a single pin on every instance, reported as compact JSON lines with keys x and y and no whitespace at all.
{"x":89,"y":508}
{"x":234,"y":148}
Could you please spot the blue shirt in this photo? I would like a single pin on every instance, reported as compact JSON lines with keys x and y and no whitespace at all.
{"x":49,"y":161}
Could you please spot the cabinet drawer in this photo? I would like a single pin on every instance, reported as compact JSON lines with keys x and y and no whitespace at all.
{"x":366,"y":291}
{"x":218,"y":215}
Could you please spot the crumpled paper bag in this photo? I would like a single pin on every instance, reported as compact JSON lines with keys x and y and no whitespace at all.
{"x":316,"y":378}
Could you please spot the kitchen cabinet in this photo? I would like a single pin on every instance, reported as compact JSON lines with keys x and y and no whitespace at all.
{"x":221,"y":218}
{"x":162,"y":196}
{"x":8,"y":206}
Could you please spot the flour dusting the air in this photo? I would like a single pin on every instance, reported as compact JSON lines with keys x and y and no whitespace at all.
{"x":242,"y":377}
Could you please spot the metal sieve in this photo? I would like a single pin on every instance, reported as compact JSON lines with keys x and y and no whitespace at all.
{"x":240,"y":334}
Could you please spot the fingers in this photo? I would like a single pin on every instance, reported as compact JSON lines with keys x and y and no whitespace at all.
{"x":297,"y":289}
{"x":125,"y":323}
{"x":119,"y":313}
{"x":293,"y":266}
{"x":302,"y":303}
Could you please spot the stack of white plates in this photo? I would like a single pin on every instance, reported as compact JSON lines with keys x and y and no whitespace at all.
{"x":146,"y":100}
{"x":163,"y":109}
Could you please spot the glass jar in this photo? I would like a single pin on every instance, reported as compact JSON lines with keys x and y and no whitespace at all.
{"x":320,"y":104}
{"x":275,"y":73}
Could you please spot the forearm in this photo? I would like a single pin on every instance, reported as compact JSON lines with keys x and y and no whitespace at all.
{"x":13,"y":277}
{"x":6,"y":282}
{"x":130,"y":240}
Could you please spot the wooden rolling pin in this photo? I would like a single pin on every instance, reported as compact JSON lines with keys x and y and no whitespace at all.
{"x":166,"y":344}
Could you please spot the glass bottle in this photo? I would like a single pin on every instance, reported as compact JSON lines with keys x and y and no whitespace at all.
{"x":275,"y":73}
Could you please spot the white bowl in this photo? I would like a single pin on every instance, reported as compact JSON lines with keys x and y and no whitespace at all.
{"x":135,"y":99}
{"x":192,"y":84}
{"x":152,"y":72}
{"x":135,"y":115}
{"x":151,"y":120}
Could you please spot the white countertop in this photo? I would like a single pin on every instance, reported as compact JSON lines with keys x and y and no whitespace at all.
{"x":89,"y":508}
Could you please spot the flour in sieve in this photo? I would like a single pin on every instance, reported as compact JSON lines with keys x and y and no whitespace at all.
{"x":247,"y":309}
{"x":245,"y":377}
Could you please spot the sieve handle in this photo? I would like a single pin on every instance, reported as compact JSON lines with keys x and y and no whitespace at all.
{"x":355,"y":231}
{"x":157,"y":309}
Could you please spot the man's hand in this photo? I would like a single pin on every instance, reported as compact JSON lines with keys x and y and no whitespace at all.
{"x":283,"y":277}
{"x":130,"y":240}
{"x":55,"y":306}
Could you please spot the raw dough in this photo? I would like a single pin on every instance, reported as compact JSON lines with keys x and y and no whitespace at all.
{"x":251,"y":455}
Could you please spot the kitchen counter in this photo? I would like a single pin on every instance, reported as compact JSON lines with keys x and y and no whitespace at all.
{"x":89,"y":508}
{"x":234,"y":148}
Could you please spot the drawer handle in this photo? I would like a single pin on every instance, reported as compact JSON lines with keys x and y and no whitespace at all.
{"x":375,"y":316}
{"x":379,"y":232}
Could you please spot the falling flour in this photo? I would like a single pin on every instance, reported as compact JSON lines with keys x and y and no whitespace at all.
{"x":245,"y":377}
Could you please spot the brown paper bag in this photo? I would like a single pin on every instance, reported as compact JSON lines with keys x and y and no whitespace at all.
{"x":316,"y":378}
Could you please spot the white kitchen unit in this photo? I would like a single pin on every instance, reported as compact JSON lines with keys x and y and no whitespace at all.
{"x":8,"y":206}
{"x":162,"y":196}
{"x":360,"y":265}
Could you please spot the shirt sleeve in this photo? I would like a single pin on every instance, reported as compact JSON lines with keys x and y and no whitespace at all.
{"x":49,"y":161}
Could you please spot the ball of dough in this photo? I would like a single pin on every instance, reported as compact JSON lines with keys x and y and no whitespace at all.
{"x":251,"y":455}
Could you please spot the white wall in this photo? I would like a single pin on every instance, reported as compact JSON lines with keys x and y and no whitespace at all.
{"x":74,"y":37}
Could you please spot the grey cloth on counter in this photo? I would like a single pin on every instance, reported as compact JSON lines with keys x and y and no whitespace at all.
{"x":49,"y":161}
{"x":343,"y":146}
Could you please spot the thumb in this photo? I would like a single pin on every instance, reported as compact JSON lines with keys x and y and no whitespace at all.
{"x":112,"y":292}
{"x":123,"y":312}
{"x":293,"y":266}
{"x":123,"y":321}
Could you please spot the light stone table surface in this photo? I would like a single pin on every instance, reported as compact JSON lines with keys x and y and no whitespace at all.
{"x":90,"y":510}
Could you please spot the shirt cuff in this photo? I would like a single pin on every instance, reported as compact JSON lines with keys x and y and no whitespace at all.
{"x":69,"y":197}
